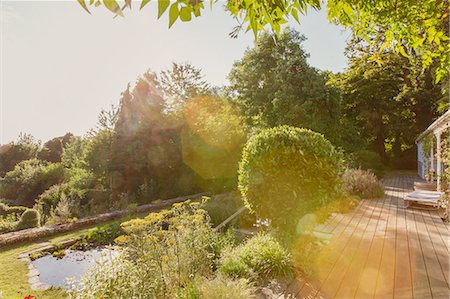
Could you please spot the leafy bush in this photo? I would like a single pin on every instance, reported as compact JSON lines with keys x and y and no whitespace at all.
{"x":8,"y":223}
{"x":29,"y":219}
{"x":367,"y":160}
{"x":7,"y":210}
{"x":104,"y":234}
{"x":286,"y":172}
{"x":259,"y":257}
{"x":29,"y":179}
{"x":76,"y":192}
{"x":161,"y":253}
{"x":362,"y":183}
{"x":221,"y":287}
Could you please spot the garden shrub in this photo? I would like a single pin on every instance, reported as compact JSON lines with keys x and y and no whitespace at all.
{"x":29,"y":219}
{"x":104,"y":234}
{"x":286,"y":172}
{"x":7,"y":210}
{"x":29,"y":179}
{"x":8,"y":223}
{"x":260,"y":257}
{"x":362,"y":183}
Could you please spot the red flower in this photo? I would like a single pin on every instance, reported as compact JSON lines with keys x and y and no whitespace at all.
{"x":29,"y":297}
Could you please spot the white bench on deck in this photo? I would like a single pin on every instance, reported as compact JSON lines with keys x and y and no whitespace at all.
{"x":423,"y":197}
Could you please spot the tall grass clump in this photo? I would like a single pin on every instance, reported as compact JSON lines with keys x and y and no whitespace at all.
{"x":362,"y":183}
{"x":260,"y":258}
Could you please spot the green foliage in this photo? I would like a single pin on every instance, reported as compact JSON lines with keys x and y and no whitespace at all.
{"x":29,"y":179}
{"x":74,"y":153}
{"x":25,"y":148}
{"x":388,"y":104}
{"x":409,"y":27}
{"x":77,"y":191}
{"x":367,"y":160}
{"x":180,"y":84}
{"x":220,"y":287}
{"x":212,"y":141}
{"x":307,"y":255}
{"x":8,"y":223}
{"x":104,"y":234}
{"x":30,"y":218}
{"x":286,"y":172}
{"x":7,"y":210}
{"x":161,"y":253}
{"x":52,"y":150}
{"x":274,"y":85}
{"x":362,"y":183}
{"x":260,"y":257}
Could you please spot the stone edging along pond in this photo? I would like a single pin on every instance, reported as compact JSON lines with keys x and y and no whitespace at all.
{"x":46,"y":231}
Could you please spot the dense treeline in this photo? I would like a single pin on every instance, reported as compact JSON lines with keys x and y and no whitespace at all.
{"x":175,"y":134}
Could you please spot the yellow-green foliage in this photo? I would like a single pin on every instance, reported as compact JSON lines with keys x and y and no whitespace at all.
{"x":162,"y":253}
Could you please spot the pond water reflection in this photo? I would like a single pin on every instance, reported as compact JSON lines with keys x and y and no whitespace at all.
{"x":55,"y":271}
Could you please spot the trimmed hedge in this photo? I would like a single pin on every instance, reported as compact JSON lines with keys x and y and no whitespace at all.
{"x":30,"y":218}
{"x":286,"y":172}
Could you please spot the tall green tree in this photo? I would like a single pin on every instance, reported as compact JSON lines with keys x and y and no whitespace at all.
{"x":274,"y":85}
{"x":24,"y":148}
{"x":390,"y":102}
{"x":181,"y":83}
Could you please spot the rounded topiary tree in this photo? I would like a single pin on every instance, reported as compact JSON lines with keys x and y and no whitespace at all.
{"x":286,"y":172}
{"x":30,"y":218}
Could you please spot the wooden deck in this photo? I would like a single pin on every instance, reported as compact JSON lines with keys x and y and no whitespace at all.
{"x":382,"y":250}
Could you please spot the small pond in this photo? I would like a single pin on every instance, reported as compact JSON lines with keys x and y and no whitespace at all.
{"x":55,"y":271}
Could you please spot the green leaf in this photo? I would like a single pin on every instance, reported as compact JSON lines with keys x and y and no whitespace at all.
{"x":143,"y":3}
{"x":162,"y":6}
{"x":113,"y":6}
{"x":295,"y":15}
{"x":185,"y":14}
{"x":83,"y":4}
{"x":173,"y":14}
{"x":402,"y":51}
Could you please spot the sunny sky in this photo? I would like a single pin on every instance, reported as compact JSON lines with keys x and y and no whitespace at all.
{"x":60,"y":66}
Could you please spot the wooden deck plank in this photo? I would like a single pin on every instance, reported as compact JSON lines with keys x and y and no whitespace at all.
{"x":385,"y":276}
{"x":382,"y":250}
{"x":367,"y":281}
{"x":329,"y":261}
{"x":439,"y":287}
{"x":402,"y":271}
{"x":345,"y":244}
{"x":348,"y":285}
{"x":420,"y":284}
